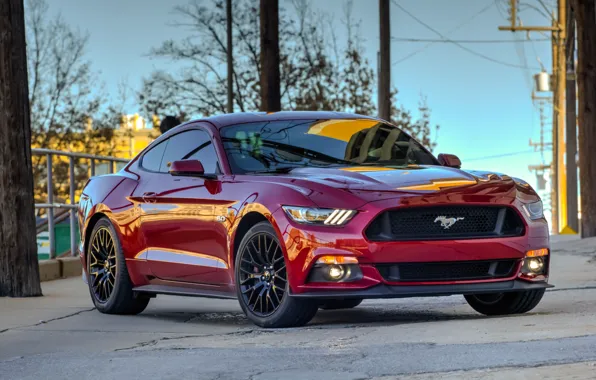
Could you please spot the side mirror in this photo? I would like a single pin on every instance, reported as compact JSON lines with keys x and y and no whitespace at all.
{"x":450,"y":160}
{"x":189,"y":168}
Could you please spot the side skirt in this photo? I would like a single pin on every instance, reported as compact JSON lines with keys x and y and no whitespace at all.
{"x":183,"y":291}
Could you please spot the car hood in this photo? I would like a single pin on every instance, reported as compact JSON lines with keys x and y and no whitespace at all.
{"x":408,"y":179}
{"x":328,"y":186}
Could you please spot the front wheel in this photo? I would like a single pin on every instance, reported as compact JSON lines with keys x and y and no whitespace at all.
{"x":505,"y":303}
{"x":262,"y":282}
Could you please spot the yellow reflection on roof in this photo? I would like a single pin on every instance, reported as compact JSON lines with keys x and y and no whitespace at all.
{"x":438,"y":185}
{"x":340,"y":129}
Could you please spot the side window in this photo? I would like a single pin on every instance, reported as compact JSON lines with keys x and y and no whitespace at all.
{"x":191,"y":145}
{"x":207,"y":155}
{"x":152,"y":159}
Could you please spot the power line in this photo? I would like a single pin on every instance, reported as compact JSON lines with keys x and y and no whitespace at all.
{"x":499,"y":155}
{"x":501,"y":11}
{"x":520,"y":49}
{"x":458,"y":44}
{"x":435,"y":40}
{"x":467,"y":21}
{"x":547,"y":11}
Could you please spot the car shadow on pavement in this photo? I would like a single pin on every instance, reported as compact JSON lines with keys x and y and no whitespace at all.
{"x":388,"y":316}
{"x":373,"y":314}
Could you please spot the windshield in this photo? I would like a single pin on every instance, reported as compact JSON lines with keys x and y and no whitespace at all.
{"x":279,"y":146}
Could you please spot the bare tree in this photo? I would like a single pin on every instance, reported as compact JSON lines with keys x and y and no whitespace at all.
{"x":315,"y":74}
{"x":421,"y":127}
{"x":68,"y":109}
{"x":19,"y":271}
{"x":358,"y":78}
{"x":60,"y":82}
{"x":585,"y":13}
{"x":200,"y":87}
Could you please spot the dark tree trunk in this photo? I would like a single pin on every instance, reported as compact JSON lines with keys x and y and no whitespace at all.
{"x":384,"y":61}
{"x":585,"y":14}
{"x":270,"y":77}
{"x":19,"y":270}
{"x":230,"y":107}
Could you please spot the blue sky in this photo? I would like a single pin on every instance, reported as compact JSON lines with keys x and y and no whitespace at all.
{"x":484,"y":108}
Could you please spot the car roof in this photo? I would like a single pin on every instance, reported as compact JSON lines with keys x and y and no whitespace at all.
{"x":224,"y":120}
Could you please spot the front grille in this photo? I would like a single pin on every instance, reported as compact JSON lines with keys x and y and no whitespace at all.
{"x":445,"y":222}
{"x":448,"y":271}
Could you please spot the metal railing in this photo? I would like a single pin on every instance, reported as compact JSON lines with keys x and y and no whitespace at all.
{"x":72,"y":206}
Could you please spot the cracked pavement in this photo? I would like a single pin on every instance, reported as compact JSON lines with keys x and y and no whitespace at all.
{"x":61,"y":336}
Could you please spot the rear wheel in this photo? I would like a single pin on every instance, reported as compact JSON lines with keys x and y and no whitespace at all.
{"x":262,"y":282}
{"x":109,"y":284}
{"x":505,"y":303}
{"x":340,"y":304}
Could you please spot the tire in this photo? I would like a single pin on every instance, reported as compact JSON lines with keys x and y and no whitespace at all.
{"x":505,"y":303}
{"x":340,"y":304}
{"x":259,"y":275}
{"x":121,"y":299}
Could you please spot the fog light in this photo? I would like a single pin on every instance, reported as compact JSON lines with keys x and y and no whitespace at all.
{"x":536,"y":264}
{"x":336,"y":272}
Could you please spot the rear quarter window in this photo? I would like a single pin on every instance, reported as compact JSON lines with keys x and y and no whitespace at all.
{"x":152,"y":159}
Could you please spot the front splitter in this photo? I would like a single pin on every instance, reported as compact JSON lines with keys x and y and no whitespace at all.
{"x":404,"y":291}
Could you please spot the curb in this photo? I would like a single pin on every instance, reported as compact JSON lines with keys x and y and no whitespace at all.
{"x":60,"y":268}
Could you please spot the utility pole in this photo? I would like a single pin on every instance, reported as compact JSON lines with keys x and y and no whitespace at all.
{"x":571,"y":124}
{"x":230,"y":107}
{"x":541,"y":147}
{"x":555,"y":138}
{"x":384,"y":90}
{"x":560,"y":212}
{"x":585,"y":14}
{"x":19,"y":268}
{"x":559,"y":111}
{"x":270,"y":76}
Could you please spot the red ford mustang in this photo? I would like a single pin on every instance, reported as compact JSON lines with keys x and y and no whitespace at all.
{"x":290,"y":212}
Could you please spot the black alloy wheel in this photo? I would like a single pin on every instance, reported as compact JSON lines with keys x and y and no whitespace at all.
{"x":262,"y":282}
{"x":262,"y":272}
{"x":102,"y":265}
{"x":109,"y":283}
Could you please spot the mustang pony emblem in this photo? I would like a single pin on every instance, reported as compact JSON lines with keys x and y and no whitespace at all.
{"x":447,"y":222}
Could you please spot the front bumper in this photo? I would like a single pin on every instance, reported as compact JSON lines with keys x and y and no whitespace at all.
{"x":405,"y":291}
{"x":304,"y":245}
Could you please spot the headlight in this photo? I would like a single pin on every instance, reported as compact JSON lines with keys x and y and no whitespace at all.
{"x":533,"y":210}
{"x":322,"y":216}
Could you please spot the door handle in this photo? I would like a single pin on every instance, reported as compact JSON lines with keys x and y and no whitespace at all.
{"x":149,"y":197}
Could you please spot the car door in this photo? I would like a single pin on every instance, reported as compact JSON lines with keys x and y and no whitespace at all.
{"x":178,"y":220}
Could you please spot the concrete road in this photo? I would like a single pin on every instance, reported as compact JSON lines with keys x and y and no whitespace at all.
{"x":60,"y":336}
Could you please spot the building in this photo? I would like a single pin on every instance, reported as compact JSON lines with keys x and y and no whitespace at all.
{"x":129,"y":137}
{"x":132,"y":136}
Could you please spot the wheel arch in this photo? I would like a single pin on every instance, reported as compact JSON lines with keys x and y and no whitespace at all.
{"x":89,"y":229}
{"x":250,"y":219}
